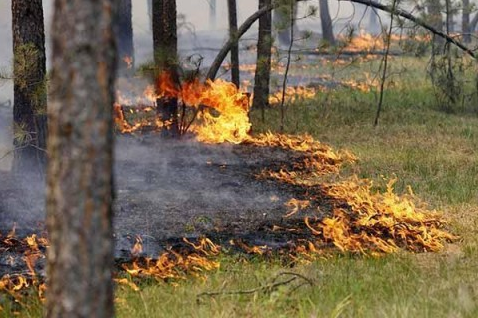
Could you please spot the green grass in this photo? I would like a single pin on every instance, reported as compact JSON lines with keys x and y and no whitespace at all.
{"x":434,"y":152}
{"x":393,"y":286}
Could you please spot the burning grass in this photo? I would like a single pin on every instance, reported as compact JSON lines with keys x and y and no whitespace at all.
{"x":361,"y":219}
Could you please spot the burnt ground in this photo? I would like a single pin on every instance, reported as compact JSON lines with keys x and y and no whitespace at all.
{"x":167,"y":190}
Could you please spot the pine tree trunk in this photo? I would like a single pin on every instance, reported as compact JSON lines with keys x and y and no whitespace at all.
{"x":124,"y":37}
{"x":326,"y":22}
{"x":212,"y":14}
{"x":436,"y":21}
{"x":80,"y":144}
{"x":232,"y":10}
{"x":29,"y":69}
{"x":165,"y":44}
{"x":283,"y":23}
{"x":263,"y":64}
{"x":465,"y":22}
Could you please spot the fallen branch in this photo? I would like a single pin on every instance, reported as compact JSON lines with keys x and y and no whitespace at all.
{"x":266,"y":288}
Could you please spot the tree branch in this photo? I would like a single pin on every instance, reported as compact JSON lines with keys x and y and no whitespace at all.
{"x":416,"y":20}
{"x":246,"y":25}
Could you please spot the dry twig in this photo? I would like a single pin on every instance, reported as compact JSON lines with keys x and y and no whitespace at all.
{"x":274,"y":284}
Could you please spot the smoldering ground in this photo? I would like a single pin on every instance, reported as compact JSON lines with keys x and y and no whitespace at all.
{"x":169,"y":188}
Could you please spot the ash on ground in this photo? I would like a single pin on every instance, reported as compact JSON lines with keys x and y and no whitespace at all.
{"x":169,"y":189}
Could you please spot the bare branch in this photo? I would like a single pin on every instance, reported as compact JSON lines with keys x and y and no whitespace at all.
{"x":246,"y":25}
{"x":416,"y":20}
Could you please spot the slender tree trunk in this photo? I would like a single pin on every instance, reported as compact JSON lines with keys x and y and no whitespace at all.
{"x":232,"y":9}
{"x":465,"y":22}
{"x":436,"y":21}
{"x":263,"y":63}
{"x":374,"y":22}
{"x":326,"y":22}
{"x":165,"y":42}
{"x":449,"y":16}
{"x":474,"y":23}
{"x":80,"y":144}
{"x":124,"y":37}
{"x":212,"y":14}
{"x":29,"y":69}
{"x":283,"y":23}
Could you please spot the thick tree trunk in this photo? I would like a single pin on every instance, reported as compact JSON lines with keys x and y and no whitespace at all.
{"x":232,"y":10}
{"x":29,"y":69}
{"x":165,"y":43}
{"x":263,"y":64}
{"x":124,"y":37}
{"x":80,"y":144}
{"x":326,"y":22}
{"x":465,"y":21}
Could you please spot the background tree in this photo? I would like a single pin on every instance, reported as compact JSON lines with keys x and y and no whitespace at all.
{"x":124,"y":37}
{"x":263,"y":62}
{"x":29,"y":69}
{"x":79,"y":181}
{"x":165,"y":44}
{"x":435,"y":19}
{"x":474,"y":23}
{"x":232,"y":13}
{"x":326,"y":22}
{"x":283,"y":23}
{"x":465,"y":21}
{"x":212,"y":14}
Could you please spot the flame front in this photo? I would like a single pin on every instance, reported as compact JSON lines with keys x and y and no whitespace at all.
{"x":220,"y":110}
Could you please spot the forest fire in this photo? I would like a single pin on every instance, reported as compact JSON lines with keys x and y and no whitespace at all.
{"x":21,"y":253}
{"x":325,"y":212}
{"x":293,"y":94}
{"x":215,"y":111}
{"x":194,"y":260}
{"x":357,"y":218}
{"x":366,"y":42}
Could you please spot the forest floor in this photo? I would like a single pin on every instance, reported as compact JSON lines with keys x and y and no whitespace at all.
{"x":433,"y":151}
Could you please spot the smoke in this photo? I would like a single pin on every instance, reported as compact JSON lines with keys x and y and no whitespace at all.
{"x":168,"y":188}
{"x":22,"y":198}
{"x":6,"y":138}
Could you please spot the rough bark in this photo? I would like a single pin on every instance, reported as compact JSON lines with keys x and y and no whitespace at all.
{"x":30,"y":103}
{"x":165,"y":43}
{"x":79,"y":181}
{"x":263,"y":64}
{"x":124,"y":37}
{"x":232,"y":10}
{"x":326,"y":22}
{"x":465,"y":22}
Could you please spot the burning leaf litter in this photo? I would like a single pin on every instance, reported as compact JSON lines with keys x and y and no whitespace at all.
{"x":358,"y":219}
